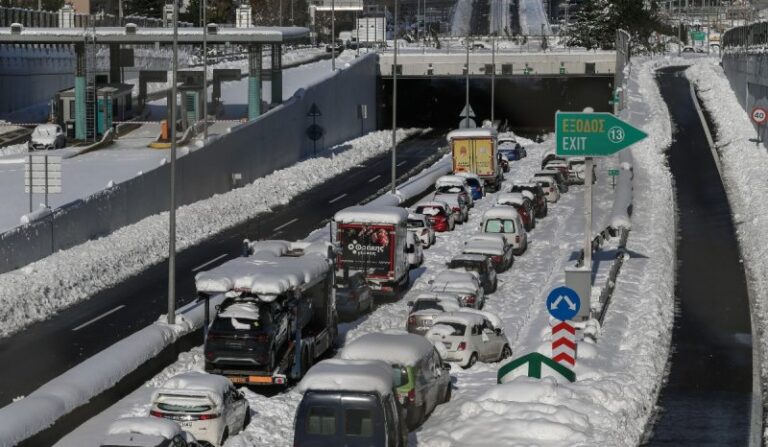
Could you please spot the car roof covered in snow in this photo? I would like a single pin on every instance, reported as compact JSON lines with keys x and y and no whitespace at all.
{"x":241,"y":310}
{"x":462,"y":317}
{"x":450,"y":199}
{"x":395,"y":349}
{"x":491,"y":317}
{"x":151,"y":426}
{"x":512,"y":198}
{"x":479,"y":132}
{"x":484,"y":247}
{"x":264,"y":274}
{"x":431,"y":203}
{"x":195,"y":383}
{"x":371,"y":215}
{"x":449,"y":280}
{"x":439,"y":296}
{"x":501,"y":212}
{"x":363,"y":376}
{"x":499,"y":238}
{"x":451,"y":180}
{"x":417,"y":216}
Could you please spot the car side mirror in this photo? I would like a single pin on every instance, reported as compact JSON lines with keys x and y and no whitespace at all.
{"x":409,"y":304}
{"x":446,"y":367}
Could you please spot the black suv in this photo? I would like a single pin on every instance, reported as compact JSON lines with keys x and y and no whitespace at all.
{"x":539,"y":201}
{"x":247,"y":334}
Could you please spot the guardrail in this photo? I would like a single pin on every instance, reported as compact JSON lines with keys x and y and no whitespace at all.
{"x":752,"y":36}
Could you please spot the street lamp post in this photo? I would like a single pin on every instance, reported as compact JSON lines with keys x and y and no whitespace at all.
{"x":493,"y":79}
{"x":172,"y":209}
{"x":466,"y":99}
{"x":333,"y":35}
{"x":205,"y":72}
{"x":394,"y":104}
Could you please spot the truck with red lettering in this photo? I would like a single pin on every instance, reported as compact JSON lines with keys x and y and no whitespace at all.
{"x":475,"y":151}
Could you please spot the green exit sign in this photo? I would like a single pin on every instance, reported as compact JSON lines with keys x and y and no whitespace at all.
{"x":613,"y":172}
{"x":698,"y":35}
{"x":593,"y":134}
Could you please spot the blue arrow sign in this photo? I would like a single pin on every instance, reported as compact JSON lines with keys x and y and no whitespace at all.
{"x":563,"y":303}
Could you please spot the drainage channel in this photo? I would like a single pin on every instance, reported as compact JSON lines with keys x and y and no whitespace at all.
{"x":707,"y":396}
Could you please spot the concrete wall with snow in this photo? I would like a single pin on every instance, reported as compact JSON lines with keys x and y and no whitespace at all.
{"x":748,"y":69}
{"x":275,"y":141}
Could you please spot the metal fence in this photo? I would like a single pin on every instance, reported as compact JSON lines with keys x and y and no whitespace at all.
{"x":31,"y":18}
{"x":746,"y":36}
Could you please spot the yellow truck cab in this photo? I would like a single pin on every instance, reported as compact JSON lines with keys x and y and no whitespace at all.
{"x":475,"y":151}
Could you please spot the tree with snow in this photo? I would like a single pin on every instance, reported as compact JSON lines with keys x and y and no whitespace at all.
{"x":596,"y":23}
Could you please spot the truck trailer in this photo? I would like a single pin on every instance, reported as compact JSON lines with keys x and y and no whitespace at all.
{"x":475,"y":151}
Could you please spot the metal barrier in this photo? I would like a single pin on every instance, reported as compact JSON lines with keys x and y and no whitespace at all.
{"x":744,"y":37}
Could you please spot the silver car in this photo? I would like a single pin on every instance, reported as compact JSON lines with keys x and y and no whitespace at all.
{"x":428,"y":305}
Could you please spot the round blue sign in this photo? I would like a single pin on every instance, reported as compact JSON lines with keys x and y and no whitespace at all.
{"x":563,"y":303}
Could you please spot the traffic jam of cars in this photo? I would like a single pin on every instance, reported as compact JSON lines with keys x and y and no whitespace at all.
{"x":278,"y":324}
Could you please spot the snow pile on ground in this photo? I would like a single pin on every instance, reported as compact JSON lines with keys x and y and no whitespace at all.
{"x":499,"y":17}
{"x":14,"y":149}
{"x":40,"y":289}
{"x":744,"y":167}
{"x":462,"y":17}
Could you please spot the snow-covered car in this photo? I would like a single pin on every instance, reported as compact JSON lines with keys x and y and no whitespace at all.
{"x":147,"y":432}
{"x":47,"y":136}
{"x":494,"y":246}
{"x":509,"y":146}
{"x":439,"y":214}
{"x":424,"y":308}
{"x":522,"y":204}
{"x":549,"y":186}
{"x":350,"y":403}
{"x":506,"y":220}
{"x":353,"y":297}
{"x":413,"y":250}
{"x":550,"y":157}
{"x":455,"y":184}
{"x":456,"y":203}
{"x":469,"y":337}
{"x":206,"y":405}
{"x":479,"y":265}
{"x":576,"y":171}
{"x":537,"y":196}
{"x":420,"y":226}
{"x":424,"y":380}
{"x":464,"y":284}
{"x":560,"y":179}
{"x":476,"y":184}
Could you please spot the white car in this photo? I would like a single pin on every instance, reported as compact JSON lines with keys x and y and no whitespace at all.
{"x":551,"y":192}
{"x":506,"y":220}
{"x":206,"y":405}
{"x":464,"y":284}
{"x":469,"y":337}
{"x":47,"y":136}
{"x":147,"y":432}
{"x":421,"y":227}
{"x":413,"y":250}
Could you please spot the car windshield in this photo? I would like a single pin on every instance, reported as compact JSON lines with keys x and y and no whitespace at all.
{"x":415,"y":223}
{"x":450,"y":189}
{"x":232,"y":322}
{"x":427,"y":305}
{"x":429,"y":210}
{"x":499,"y":226}
{"x":473,"y":182}
{"x":466,"y":265}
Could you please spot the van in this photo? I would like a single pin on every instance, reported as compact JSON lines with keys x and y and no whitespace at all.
{"x":506,"y":220}
{"x":424,"y":380}
{"x":349,"y":403}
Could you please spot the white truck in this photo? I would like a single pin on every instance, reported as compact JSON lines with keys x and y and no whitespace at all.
{"x":372,"y":240}
{"x":476,"y":151}
{"x":279,"y":314}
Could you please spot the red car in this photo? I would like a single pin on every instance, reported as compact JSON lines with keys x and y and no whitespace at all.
{"x":438,"y":213}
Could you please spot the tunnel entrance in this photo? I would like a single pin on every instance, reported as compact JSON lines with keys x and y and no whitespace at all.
{"x":526,"y":104}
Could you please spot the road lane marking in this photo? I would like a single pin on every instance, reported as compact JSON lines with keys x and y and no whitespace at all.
{"x":295,"y":219}
{"x":337,"y":198}
{"x":91,"y":321}
{"x":374,"y":179}
{"x":401,"y":163}
{"x":202,"y":266}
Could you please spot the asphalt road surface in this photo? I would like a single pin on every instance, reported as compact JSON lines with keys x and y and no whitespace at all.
{"x":46,"y":349}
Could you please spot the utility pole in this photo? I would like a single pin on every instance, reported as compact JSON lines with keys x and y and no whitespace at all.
{"x":493,"y":78}
{"x":172,"y":208}
{"x":333,"y":35}
{"x":466,"y":99}
{"x":205,"y":72}
{"x":394,"y":104}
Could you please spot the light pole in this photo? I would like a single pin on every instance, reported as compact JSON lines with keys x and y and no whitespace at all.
{"x":205,"y":72}
{"x":394,"y":103}
{"x":172,"y":208}
{"x":493,"y":79}
{"x":333,"y":35}
{"x":466,"y":99}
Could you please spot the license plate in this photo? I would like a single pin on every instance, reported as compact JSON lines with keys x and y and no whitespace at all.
{"x":185,"y":424}
{"x":447,"y":344}
{"x":237,"y":379}
{"x":235,"y":344}
{"x":260,"y":379}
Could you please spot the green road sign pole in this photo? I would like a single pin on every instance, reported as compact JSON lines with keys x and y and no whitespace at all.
{"x":588,"y":214}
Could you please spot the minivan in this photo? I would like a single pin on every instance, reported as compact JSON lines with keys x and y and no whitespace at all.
{"x":425,"y":381}
{"x":349,"y":403}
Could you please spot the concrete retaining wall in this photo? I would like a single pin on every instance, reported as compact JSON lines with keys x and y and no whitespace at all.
{"x":748,"y":75}
{"x":276,"y":140}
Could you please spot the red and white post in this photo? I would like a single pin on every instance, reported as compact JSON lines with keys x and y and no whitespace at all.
{"x":564,"y":344}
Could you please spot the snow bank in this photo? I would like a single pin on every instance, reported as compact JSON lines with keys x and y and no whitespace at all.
{"x":26,"y":294}
{"x":38,"y":411}
{"x":743,"y":168}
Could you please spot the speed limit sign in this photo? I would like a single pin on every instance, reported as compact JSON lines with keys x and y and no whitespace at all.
{"x":759,"y":116}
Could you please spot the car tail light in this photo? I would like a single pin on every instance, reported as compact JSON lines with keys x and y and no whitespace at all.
{"x":517,"y":239}
{"x":496,"y":259}
{"x":279,"y":380}
{"x":456,"y":209}
{"x":412,"y":394}
{"x":411,"y":320}
{"x":551,"y":189}
{"x":469,"y":300}
{"x":205,"y":417}
{"x":157,"y":414}
{"x":462,"y":346}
